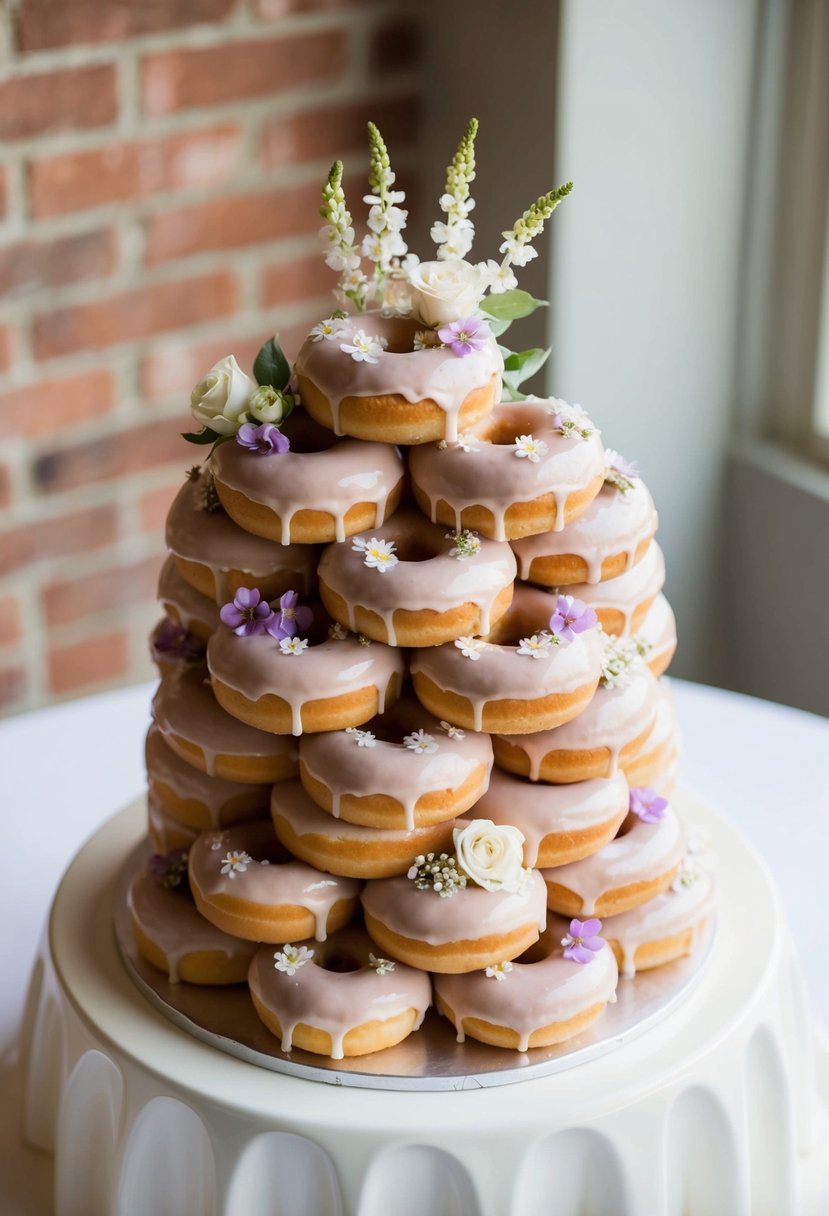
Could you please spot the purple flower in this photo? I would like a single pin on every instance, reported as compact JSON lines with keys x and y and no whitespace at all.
{"x":571,"y":616}
{"x":248,"y":614}
{"x":290,"y":617}
{"x":627,"y":468}
{"x":647,"y":804}
{"x":265,"y":440}
{"x":170,"y":869}
{"x":464,"y":337}
{"x":170,"y":640}
{"x":583,"y":940}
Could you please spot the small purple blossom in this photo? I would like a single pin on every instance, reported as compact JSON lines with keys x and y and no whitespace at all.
{"x":170,"y":869}
{"x":583,"y":940}
{"x":289,"y":617}
{"x":248,"y":614}
{"x":647,"y":804}
{"x":264,"y":440}
{"x":571,"y":616}
{"x":171,"y":640}
{"x":465,"y":336}
{"x":627,"y":468}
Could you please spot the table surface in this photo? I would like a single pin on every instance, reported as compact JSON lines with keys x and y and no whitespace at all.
{"x":66,"y":769}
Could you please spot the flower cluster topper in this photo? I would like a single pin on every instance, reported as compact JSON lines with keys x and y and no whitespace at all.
{"x":647,"y":804}
{"x":619,"y":472}
{"x":248,"y":615}
{"x":583,"y":941}
{"x":226,"y":400}
{"x":620,"y":659}
{"x":448,"y":294}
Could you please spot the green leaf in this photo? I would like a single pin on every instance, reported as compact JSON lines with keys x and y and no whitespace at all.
{"x":270,"y":366}
{"x":498,"y":327}
{"x":525,"y":363}
{"x":511,"y":393}
{"x":511,"y":305}
{"x":205,"y":436}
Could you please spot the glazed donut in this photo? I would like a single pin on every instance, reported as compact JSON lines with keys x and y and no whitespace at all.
{"x":609,"y":732}
{"x":607,"y":539}
{"x":405,"y":396}
{"x":667,"y":927}
{"x":480,"y":483}
{"x":336,"y":682}
{"x":496,"y":683}
{"x":166,"y":833}
{"x":191,"y":797}
{"x":323,"y":489}
{"x":540,"y":999}
{"x":197,"y":613}
{"x":217,"y":557}
{"x":337,"y":999}
{"x":641,"y":862}
{"x":560,"y":823}
{"x":657,"y":634}
{"x":474,"y":928}
{"x":345,"y":848}
{"x":436,"y":587}
{"x":195,"y":726}
{"x":622,"y":603}
{"x":404,"y":770}
{"x":245,"y":884}
{"x":172,"y":936}
{"x":658,"y":754}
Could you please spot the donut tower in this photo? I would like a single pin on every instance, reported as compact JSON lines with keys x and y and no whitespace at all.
{"x":412,"y":744}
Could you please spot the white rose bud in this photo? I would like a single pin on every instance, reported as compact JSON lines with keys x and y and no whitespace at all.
{"x":218,"y":400}
{"x":447,"y":291}
{"x":267,"y":404}
{"x":491,"y":854}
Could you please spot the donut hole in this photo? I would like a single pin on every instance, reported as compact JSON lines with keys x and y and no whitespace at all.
{"x":341,"y":962}
{"x":308,"y":436}
{"x":399,"y":332}
{"x":413,"y":549}
{"x":507,"y":423}
{"x":529,"y":613}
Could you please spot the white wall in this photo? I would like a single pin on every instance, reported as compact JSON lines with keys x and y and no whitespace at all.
{"x":654,"y":108}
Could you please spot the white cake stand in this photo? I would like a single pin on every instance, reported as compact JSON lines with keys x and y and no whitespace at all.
{"x":712,"y":1112}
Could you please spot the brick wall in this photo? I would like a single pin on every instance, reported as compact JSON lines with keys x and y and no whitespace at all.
{"x":159,"y":175}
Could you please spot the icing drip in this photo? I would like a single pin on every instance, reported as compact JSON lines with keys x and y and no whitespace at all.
{"x":668,"y":914}
{"x":269,"y":880}
{"x":164,"y":832}
{"x":494,"y":478}
{"x":389,"y":767}
{"x":182,"y":602}
{"x":433,"y":374}
{"x":613,"y":523}
{"x":532,"y":995}
{"x":220,"y":800}
{"x":658,"y":631}
{"x":627,"y":591}
{"x":470,"y":914}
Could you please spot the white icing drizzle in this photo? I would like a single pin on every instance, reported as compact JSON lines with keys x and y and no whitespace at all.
{"x":670,"y":913}
{"x":627,"y":592}
{"x":184,"y":603}
{"x":215,"y":799}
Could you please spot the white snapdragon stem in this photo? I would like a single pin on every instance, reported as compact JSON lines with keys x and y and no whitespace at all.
{"x":454,"y":236}
{"x":338,"y":236}
{"x":383,"y":244}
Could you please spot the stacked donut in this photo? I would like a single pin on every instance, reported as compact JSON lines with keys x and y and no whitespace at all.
{"x":412,"y":745}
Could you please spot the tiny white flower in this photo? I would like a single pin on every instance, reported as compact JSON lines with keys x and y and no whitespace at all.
{"x":470,"y":648}
{"x":236,"y":862}
{"x":468,"y":443}
{"x":293,"y":645}
{"x":325,"y":329}
{"x":363,"y":348}
{"x":363,"y":640}
{"x":527,"y":447}
{"x":358,"y":544}
{"x":499,"y":971}
{"x":337,"y":633}
{"x":421,"y":742}
{"x":499,"y":276}
{"x":465,"y":544}
{"x":687,"y":875}
{"x":454,"y":732}
{"x":378,"y":553}
{"x":290,"y":958}
{"x":381,"y":965}
{"x":537,"y":646}
{"x":363,"y":738}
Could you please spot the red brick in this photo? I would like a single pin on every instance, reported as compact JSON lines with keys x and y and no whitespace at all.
{"x":77,"y":532}
{"x":115,"y":587}
{"x":123,"y":171}
{"x":209,"y":76}
{"x":10,"y":630}
{"x":286,"y":282}
{"x":131,"y":451}
{"x":12,"y":686}
{"x":50,"y":405}
{"x":395,"y":46}
{"x":133,"y":314}
{"x":30,"y":265}
{"x":232,"y":222}
{"x":5,"y":348}
{"x":328,"y":132}
{"x":69,"y":99}
{"x":103,"y":656}
{"x":42,"y":24}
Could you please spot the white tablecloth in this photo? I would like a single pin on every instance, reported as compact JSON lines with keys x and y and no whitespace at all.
{"x":66,"y":769}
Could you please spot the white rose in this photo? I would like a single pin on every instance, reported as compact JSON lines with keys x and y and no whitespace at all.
{"x":446,"y":291}
{"x":219,"y":399}
{"x":491,"y":854}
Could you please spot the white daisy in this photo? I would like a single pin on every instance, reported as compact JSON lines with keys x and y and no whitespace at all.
{"x":293,"y":645}
{"x":290,"y":958}
{"x":421,"y":742}
{"x":527,"y":447}
{"x":378,"y":553}
{"x":468,"y":443}
{"x":236,"y":862}
{"x":454,"y":732}
{"x":498,"y":971}
{"x":363,"y":348}
{"x":538,"y":646}
{"x":381,"y":965}
{"x":363,"y":738}
{"x":470,"y":648}
{"x":325,"y":330}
